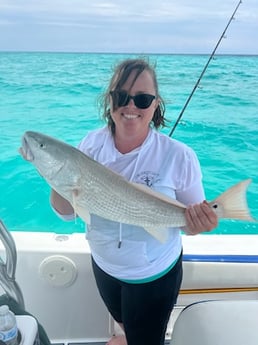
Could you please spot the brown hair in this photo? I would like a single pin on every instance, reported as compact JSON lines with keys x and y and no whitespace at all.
{"x":120,"y":76}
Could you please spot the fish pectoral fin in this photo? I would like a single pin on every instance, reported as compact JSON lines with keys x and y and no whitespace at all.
{"x":160,"y":234}
{"x":82,"y":212}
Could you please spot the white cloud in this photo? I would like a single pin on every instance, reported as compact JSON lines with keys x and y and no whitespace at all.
{"x":115,"y":25}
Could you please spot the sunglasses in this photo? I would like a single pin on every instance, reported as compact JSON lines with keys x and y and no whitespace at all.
{"x":122,"y":98}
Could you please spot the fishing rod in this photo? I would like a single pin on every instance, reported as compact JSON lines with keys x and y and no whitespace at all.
{"x":204,"y":70}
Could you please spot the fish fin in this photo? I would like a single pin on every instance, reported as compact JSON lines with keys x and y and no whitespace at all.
{"x":159,"y":234}
{"x":82,"y":212}
{"x":157,"y":194}
{"x":233,"y":203}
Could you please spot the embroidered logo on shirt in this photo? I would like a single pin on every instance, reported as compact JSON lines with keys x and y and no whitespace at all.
{"x":149,"y":178}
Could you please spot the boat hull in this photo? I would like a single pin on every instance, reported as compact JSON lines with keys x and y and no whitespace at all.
{"x":55,"y":276}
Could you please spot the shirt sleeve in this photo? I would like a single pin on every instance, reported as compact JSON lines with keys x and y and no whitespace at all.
{"x":190,"y":189}
{"x":193,"y":195}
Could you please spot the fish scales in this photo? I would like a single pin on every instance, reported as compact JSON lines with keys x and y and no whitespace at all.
{"x":127,"y":205}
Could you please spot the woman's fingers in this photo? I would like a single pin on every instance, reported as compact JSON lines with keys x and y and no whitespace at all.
{"x":200,"y":218}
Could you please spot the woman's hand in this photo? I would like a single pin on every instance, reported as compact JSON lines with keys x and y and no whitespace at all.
{"x":200,"y":218}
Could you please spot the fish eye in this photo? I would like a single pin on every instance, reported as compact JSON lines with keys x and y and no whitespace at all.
{"x":42,"y":146}
{"x":215,"y":206}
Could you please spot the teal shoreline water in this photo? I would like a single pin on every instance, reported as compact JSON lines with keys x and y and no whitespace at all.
{"x":56,"y":93}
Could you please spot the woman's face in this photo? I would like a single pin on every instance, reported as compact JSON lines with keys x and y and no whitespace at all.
{"x":130,"y":119}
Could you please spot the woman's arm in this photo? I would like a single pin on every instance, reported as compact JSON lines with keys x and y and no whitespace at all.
{"x":60,"y":204}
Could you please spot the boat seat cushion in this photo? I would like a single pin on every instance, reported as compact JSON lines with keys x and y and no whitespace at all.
{"x":227,"y":322}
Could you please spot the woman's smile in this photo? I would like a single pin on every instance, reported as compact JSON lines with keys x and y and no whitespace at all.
{"x":131,"y":116}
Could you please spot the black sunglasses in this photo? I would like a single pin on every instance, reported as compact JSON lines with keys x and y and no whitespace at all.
{"x":122,"y":98}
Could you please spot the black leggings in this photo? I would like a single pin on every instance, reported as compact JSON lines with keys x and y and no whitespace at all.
{"x":143,"y":309}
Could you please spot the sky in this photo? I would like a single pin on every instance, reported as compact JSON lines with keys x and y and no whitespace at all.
{"x":129,"y":26}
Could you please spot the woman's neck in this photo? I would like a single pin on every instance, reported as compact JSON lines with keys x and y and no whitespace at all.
{"x":128,"y":144}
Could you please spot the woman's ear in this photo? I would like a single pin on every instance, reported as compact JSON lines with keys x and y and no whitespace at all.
{"x":157,"y":102}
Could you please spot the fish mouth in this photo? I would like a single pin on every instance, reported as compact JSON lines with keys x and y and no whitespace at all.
{"x":25,"y":150}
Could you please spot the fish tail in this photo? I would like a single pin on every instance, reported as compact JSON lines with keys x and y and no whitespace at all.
{"x":233,"y":204}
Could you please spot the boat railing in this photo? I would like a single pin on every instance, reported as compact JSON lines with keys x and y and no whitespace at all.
{"x":8,"y":266}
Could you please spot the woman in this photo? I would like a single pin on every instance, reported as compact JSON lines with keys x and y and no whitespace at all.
{"x":137,"y":276}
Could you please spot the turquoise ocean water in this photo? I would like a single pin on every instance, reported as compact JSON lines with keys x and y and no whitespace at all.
{"x":56,"y":93}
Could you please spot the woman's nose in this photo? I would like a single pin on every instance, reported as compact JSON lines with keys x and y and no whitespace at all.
{"x":131,"y":103}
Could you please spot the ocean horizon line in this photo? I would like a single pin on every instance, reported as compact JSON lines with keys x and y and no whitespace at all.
{"x":126,"y":53}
